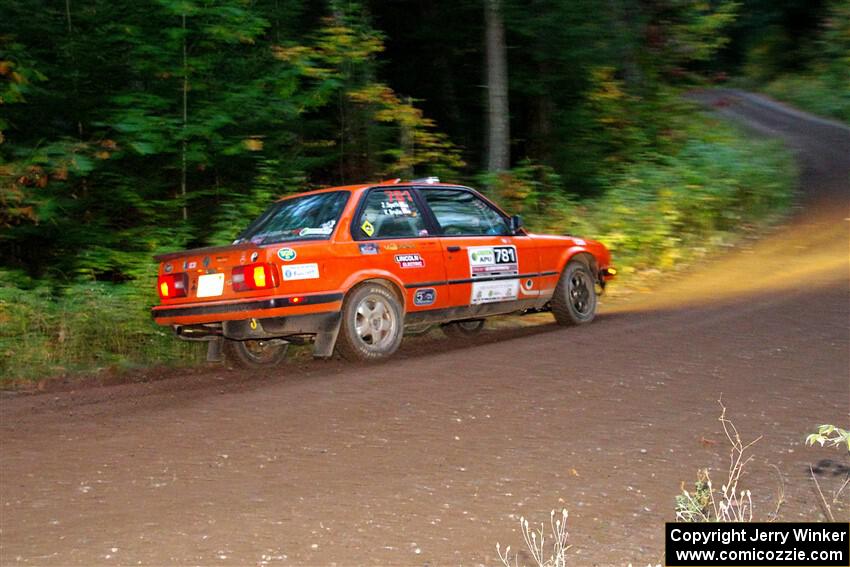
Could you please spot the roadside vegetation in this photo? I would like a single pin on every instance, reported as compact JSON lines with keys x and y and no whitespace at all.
{"x":824,"y":95}
{"x":837,"y":501}
{"x":87,"y":326}
{"x":805,"y":62}
{"x":203,"y":113}
{"x":664,"y":211}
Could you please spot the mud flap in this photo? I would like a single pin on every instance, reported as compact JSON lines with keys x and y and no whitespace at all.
{"x":323,"y":347}
{"x":214,"y":347}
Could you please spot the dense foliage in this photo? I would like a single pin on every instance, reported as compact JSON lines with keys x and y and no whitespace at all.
{"x":798,"y":52}
{"x":133,"y":127}
{"x":130,"y":128}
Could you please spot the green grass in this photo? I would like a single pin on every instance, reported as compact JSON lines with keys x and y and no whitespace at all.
{"x":85,"y":327}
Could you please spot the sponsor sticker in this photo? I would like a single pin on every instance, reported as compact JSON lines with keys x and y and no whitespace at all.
{"x":487,"y":261}
{"x":410,"y":261}
{"x":367,"y":228}
{"x":425,"y":296}
{"x":397,"y":246}
{"x":321,"y":231}
{"x":301,"y":272}
{"x":368,"y":249}
{"x":287,"y":254}
{"x":493,"y":292}
{"x":481,"y":256}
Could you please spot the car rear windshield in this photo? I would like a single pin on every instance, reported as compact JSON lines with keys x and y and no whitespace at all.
{"x":311,"y":217}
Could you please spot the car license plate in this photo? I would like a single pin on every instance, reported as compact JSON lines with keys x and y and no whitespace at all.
{"x":210,"y":285}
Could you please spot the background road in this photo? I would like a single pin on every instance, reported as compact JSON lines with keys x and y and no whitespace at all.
{"x":432,"y":457}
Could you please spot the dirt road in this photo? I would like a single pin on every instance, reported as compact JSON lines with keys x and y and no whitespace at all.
{"x":431,"y":458}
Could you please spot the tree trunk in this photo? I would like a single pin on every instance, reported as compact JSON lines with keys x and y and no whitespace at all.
{"x":185,"y":121}
{"x":498,"y":117}
{"x":408,"y":144}
{"x":68,"y":15}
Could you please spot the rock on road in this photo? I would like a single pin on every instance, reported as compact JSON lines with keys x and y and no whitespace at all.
{"x":432,"y":457}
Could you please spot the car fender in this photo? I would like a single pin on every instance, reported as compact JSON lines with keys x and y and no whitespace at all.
{"x":571,"y":253}
{"x":356,"y":278}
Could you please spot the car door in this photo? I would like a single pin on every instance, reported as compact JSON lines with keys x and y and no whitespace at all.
{"x":391,"y":230}
{"x":485,"y":263}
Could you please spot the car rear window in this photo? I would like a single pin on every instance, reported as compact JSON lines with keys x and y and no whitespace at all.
{"x":311,"y":217}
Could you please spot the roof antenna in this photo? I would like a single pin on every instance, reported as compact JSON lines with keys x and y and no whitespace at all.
{"x":426,"y":180}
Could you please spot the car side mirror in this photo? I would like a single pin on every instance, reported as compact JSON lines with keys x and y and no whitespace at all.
{"x":516,"y":224}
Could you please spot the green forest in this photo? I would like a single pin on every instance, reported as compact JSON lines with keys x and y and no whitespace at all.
{"x":129,"y":129}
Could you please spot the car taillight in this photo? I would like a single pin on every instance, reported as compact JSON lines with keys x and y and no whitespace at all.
{"x":173,"y":285}
{"x":254,"y":276}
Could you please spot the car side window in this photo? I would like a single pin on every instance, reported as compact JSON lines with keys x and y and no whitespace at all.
{"x":462,"y":213}
{"x":390,"y":213}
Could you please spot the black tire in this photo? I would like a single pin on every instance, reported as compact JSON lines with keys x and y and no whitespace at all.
{"x":255,"y":353}
{"x":574,"y":301}
{"x":372,"y":324}
{"x":463,"y":329}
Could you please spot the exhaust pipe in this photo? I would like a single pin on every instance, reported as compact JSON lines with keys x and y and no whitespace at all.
{"x":197,"y":332}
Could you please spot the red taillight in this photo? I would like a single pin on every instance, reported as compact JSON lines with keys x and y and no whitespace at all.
{"x":254,"y":276}
{"x":173,"y":285}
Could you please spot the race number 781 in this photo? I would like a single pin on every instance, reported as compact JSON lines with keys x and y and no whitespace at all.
{"x":505,"y":254}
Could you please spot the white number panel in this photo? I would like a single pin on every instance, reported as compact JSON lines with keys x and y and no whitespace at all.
{"x":485,"y":261}
{"x":493,"y":292}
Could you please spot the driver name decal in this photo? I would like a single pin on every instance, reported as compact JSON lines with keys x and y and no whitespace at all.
{"x":397,"y":204}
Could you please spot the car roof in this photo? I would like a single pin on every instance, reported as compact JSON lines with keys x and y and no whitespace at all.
{"x":362,"y":186}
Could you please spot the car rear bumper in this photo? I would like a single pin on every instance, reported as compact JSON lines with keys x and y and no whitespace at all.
{"x":280,"y":306}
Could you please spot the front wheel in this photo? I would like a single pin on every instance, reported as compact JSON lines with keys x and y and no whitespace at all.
{"x":372,"y":324}
{"x":574,"y":301}
{"x":255,"y":353}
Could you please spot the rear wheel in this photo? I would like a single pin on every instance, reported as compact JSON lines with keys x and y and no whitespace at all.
{"x":372,"y":324}
{"x":574,"y":300}
{"x":463,"y":329}
{"x":265,"y":353}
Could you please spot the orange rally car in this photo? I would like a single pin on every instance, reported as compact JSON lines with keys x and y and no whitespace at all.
{"x":348,"y":268}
